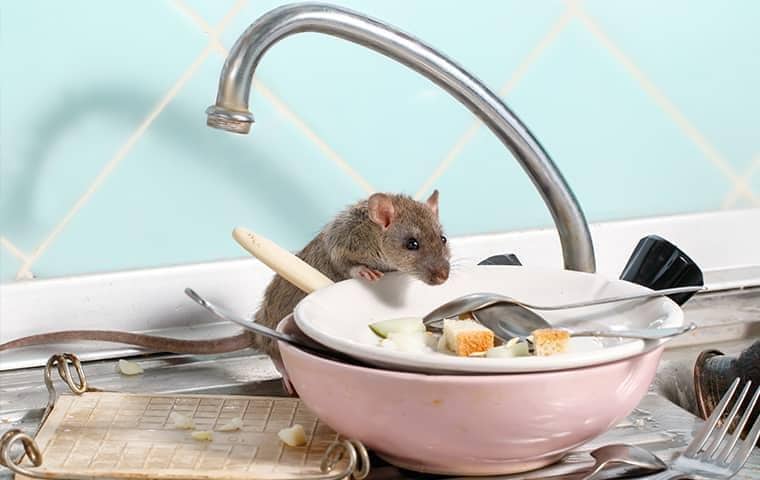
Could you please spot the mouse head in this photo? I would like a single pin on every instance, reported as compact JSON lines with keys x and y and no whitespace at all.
{"x":412,"y":238}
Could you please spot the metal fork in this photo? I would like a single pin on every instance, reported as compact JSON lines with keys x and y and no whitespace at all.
{"x":713,"y":453}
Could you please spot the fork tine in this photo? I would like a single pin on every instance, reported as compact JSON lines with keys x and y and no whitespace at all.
{"x":699,"y":440}
{"x":749,"y":443}
{"x":740,"y":426}
{"x":712,"y":449}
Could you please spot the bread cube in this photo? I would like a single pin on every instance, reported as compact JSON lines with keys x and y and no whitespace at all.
{"x":465,"y":337}
{"x":550,"y":341}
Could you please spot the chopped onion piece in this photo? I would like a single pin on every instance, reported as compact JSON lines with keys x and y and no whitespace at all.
{"x":129,"y":368}
{"x":181,"y":421}
{"x":234,"y":424}
{"x":203,"y":435}
{"x":294,"y":436}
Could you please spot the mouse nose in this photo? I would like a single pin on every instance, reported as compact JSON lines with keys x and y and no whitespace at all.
{"x":439,"y":275}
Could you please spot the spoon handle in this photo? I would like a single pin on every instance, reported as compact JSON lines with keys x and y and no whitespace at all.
{"x":619,"y":298}
{"x":223,"y":314}
{"x":289,"y":266}
{"x":643,"y":333}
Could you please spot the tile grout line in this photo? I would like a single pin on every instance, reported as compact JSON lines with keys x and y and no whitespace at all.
{"x":13,"y":249}
{"x":322,"y":145}
{"x":532,"y":56}
{"x":194,"y":16}
{"x":201,"y":22}
{"x":115,"y":160}
{"x":667,"y":106}
{"x":733,"y":196}
{"x":282,"y":107}
{"x":212,"y":32}
{"x":136,"y":135}
{"x":228,"y":17}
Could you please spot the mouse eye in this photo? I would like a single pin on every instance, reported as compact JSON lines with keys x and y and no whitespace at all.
{"x":412,"y":244}
{"x":444,"y":239}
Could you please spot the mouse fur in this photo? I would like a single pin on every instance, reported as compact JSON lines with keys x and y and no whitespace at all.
{"x":365,"y":241}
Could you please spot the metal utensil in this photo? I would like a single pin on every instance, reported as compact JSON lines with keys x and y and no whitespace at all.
{"x":479,"y":301}
{"x":516,"y":322}
{"x":632,"y":455}
{"x":302,"y":343}
{"x":513,"y":321}
{"x":510,"y":318}
{"x":713,"y":453}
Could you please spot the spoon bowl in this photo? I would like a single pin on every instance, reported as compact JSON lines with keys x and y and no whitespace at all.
{"x":508,"y":321}
{"x":629,"y":455}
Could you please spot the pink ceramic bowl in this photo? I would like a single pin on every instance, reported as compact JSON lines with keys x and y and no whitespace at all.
{"x":468,"y":424}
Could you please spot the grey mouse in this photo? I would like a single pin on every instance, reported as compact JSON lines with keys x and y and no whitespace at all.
{"x":384,"y":233}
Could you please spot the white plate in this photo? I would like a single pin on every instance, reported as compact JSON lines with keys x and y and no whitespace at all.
{"x":338,"y":316}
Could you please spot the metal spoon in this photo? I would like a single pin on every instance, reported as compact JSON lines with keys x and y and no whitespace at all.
{"x":302,"y":343}
{"x":509,"y":318}
{"x":626,"y":454}
{"x":478,"y":301}
{"x":510,"y":321}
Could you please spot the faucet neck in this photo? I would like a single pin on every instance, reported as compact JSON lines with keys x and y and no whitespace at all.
{"x":231,"y":110}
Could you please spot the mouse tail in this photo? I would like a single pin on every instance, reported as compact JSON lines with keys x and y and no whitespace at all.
{"x":150,"y":342}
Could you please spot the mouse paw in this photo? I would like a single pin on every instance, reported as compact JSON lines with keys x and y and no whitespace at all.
{"x":361,"y":271}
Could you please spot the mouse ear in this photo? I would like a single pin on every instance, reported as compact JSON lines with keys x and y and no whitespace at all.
{"x":432,"y":202}
{"x":381,"y":211}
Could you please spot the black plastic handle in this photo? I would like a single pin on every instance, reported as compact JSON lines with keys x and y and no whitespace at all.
{"x":505,"y":259}
{"x":656,"y":263}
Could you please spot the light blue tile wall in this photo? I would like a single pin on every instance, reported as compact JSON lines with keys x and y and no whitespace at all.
{"x":647,"y":107}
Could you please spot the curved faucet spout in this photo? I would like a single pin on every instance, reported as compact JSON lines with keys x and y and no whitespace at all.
{"x":231,"y":109}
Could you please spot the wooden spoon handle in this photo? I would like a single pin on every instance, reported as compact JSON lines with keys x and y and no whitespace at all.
{"x":290,"y":267}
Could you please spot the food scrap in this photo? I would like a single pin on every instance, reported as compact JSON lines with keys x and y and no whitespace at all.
{"x":409,"y":341}
{"x":397,"y":325}
{"x":513,"y":348}
{"x":234,"y":424}
{"x":126,"y":367}
{"x":465,"y":337}
{"x":550,"y":341}
{"x":203,"y":435}
{"x":181,"y":421}
{"x":294,"y":436}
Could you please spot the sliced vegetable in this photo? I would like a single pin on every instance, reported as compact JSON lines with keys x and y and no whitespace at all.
{"x":397,"y":325}
{"x":513,"y":348}
{"x":441,"y":345}
{"x":408,"y":341}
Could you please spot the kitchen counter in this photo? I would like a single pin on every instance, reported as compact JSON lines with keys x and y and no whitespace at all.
{"x":657,"y":424}
{"x":152,"y":300}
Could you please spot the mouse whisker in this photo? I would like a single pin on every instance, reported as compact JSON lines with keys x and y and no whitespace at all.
{"x":457,"y":263}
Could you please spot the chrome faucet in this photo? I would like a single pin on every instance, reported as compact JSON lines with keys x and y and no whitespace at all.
{"x":231,"y":109}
